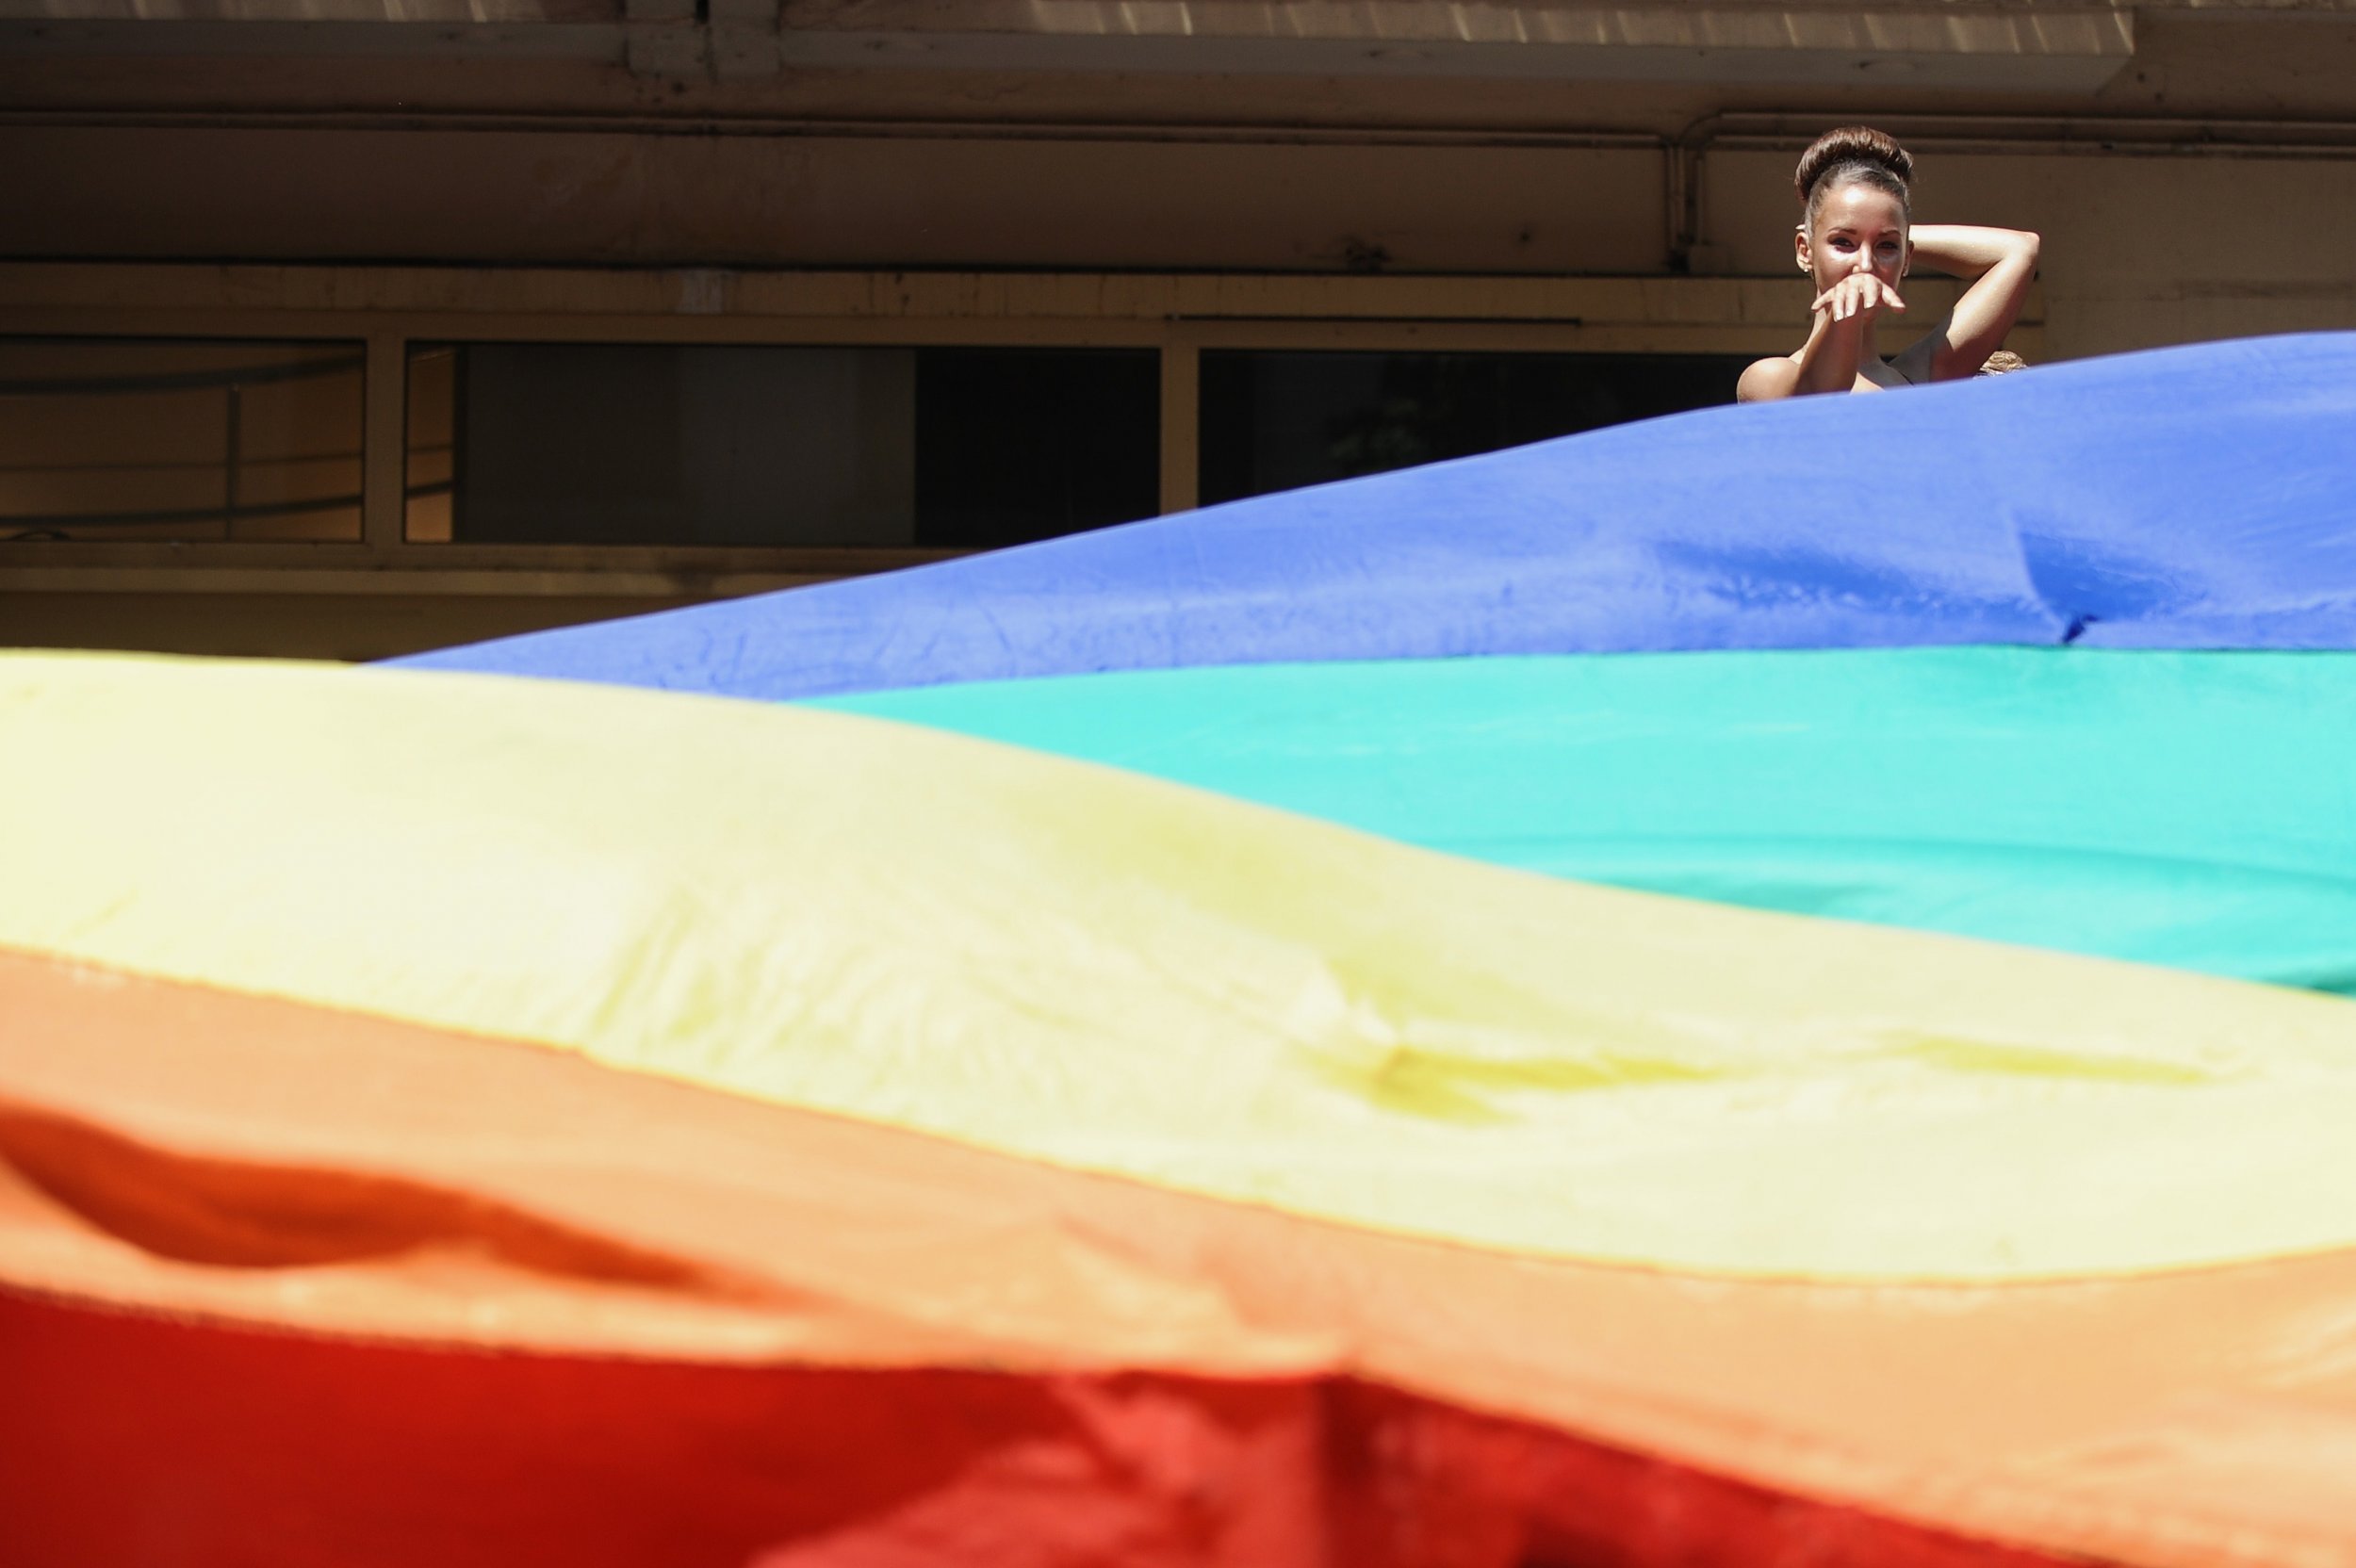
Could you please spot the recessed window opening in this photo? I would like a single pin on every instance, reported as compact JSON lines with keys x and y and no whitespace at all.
{"x":128,"y":439}
{"x":762,"y":445}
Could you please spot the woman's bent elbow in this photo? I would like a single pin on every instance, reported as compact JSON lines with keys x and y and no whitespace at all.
{"x":1767,"y":380}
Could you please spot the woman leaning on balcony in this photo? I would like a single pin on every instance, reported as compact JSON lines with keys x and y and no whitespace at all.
{"x":1856,"y":240}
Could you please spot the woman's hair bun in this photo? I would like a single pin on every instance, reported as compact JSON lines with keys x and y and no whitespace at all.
{"x":1853,"y":151}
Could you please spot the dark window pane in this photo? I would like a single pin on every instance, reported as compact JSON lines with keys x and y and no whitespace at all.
{"x":612,"y":443}
{"x":149,"y":439}
{"x":753,"y":445}
{"x":1279,"y":420}
{"x":1020,"y":444}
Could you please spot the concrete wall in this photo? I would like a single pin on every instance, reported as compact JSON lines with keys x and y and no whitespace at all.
{"x":2191,"y":165}
{"x":1077,"y":201}
{"x":2140,"y":248}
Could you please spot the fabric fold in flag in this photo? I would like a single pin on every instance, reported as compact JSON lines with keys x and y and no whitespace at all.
{"x":977,"y":1146}
{"x":837,"y":1339}
{"x":1118,"y":974}
{"x":2191,"y":809}
{"x":2185,"y":497}
{"x":1560,"y":1009}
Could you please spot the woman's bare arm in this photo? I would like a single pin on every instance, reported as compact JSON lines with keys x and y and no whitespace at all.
{"x":2000,"y":265}
{"x":1767,"y":380}
{"x":1836,"y":347}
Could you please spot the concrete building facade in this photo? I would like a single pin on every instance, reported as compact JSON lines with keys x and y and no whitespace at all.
{"x":343,"y":327}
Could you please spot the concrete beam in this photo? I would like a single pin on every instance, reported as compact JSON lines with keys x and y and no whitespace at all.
{"x":2062,"y":47}
{"x":2069,"y":45}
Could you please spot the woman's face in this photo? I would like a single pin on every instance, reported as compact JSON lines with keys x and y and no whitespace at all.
{"x":1857,"y":229}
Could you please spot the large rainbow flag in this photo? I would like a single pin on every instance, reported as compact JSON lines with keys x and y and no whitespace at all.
{"x":1771,"y":987}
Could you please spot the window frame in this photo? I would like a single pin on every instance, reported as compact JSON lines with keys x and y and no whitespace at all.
{"x":1178,"y":314}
